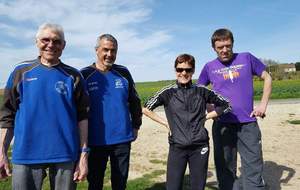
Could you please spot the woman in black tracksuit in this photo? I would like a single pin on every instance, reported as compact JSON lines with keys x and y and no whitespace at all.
{"x":185,"y":107}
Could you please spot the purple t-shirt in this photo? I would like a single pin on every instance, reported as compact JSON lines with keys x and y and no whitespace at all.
{"x":234,"y":82}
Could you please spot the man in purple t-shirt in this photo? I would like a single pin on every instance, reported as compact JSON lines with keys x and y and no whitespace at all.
{"x":231,"y":76}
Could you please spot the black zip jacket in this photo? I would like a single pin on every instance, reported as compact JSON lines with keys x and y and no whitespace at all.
{"x":185,"y":107}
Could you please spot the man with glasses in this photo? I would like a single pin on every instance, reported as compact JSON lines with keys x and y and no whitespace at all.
{"x":185,"y":106}
{"x":45,"y":108}
{"x":115,"y":115}
{"x":231,"y":76}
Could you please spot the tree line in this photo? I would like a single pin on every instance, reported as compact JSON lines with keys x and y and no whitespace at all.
{"x":282,"y":71}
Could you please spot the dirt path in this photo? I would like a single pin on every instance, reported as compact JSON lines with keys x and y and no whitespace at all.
{"x":281,"y":144}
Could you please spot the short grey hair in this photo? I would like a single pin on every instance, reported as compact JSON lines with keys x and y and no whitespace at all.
{"x":53,"y":27}
{"x":108,"y":37}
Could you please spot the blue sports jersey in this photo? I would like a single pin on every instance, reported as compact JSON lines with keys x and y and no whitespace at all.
{"x":115,"y":106}
{"x":46,"y":104}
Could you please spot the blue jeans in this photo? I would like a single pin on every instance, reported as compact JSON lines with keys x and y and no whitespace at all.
{"x":119,"y":155}
{"x":31,"y":176}
{"x":244,"y":138}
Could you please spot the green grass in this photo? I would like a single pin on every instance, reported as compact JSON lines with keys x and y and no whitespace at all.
{"x":155,"y":161}
{"x":147,"y":89}
{"x":281,"y":89}
{"x":146,"y":182}
{"x":294,"y":122}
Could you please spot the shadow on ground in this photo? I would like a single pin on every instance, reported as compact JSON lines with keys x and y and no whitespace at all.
{"x":277,"y":175}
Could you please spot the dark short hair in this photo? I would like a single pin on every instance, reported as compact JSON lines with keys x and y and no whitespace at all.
{"x":108,"y":37}
{"x":220,"y":35}
{"x":189,"y":59}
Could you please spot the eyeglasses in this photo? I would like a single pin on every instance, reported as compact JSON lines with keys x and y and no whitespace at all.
{"x":56,"y":42}
{"x":187,"y":70}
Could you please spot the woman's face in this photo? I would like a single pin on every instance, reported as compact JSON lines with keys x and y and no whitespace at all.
{"x":184,"y":72}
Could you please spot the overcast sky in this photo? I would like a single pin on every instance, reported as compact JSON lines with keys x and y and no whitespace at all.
{"x":151,"y":33}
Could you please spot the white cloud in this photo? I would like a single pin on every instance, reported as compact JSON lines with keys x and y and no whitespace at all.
{"x":16,"y":32}
{"x":147,"y":42}
{"x":141,"y":45}
{"x":10,"y":57}
{"x":83,"y":21}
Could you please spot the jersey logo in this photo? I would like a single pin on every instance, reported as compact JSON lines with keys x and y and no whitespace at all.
{"x":61,"y":87}
{"x":204,"y":150}
{"x":118,"y":83}
{"x":31,"y":79}
{"x":93,"y":86}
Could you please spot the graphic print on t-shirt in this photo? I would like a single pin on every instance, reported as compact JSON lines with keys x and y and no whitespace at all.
{"x":230,"y":73}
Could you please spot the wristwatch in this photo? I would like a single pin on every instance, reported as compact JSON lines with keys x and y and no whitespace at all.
{"x":85,"y":149}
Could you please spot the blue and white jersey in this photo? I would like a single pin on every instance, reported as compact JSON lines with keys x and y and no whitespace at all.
{"x":44,"y":105}
{"x":115,"y":106}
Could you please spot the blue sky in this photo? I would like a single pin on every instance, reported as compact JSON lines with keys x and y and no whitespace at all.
{"x":151,"y":33}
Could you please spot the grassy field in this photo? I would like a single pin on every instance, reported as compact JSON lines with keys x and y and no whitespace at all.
{"x":282,"y":89}
{"x":146,"y":89}
{"x":146,"y":182}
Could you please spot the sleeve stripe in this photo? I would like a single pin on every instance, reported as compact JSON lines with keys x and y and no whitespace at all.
{"x":153,"y":99}
{"x":229,"y":108}
{"x":219,"y":96}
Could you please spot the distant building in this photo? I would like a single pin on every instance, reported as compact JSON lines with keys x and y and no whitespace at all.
{"x":287,"y":67}
{"x":282,"y":68}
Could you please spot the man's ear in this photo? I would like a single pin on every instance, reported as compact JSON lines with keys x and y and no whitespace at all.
{"x":213,"y":47}
{"x":64,"y":44}
{"x":36,"y":41}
